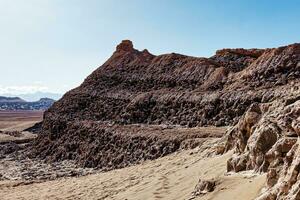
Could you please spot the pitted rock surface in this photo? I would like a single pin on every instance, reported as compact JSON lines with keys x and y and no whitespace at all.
{"x":137,"y":87}
{"x":266,"y":140}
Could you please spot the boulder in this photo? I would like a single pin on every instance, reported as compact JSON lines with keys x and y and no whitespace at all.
{"x":203,"y":187}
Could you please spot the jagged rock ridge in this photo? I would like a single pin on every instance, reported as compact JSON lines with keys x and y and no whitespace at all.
{"x":137,"y":87}
{"x":171,"y":89}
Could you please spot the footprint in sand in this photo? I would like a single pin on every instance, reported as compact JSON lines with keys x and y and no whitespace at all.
{"x":163,"y":189}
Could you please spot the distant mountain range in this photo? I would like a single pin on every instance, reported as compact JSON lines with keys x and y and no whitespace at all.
{"x":17,"y":103}
{"x":31,"y":97}
{"x":11,"y":100}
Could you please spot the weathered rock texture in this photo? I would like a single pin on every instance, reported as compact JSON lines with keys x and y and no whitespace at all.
{"x":95,"y":144}
{"x":203,"y":187}
{"x":266,"y":139}
{"x":136,"y":87}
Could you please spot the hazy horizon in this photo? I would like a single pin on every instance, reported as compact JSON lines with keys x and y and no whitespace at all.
{"x":34,"y":96}
{"x":51,"y":46}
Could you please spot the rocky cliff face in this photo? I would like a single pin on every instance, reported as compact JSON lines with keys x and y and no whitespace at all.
{"x":136,"y":87}
{"x":266,"y":140}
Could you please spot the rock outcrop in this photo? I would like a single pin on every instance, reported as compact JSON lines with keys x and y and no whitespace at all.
{"x":266,"y":139}
{"x":136,"y":87}
{"x":203,"y":187}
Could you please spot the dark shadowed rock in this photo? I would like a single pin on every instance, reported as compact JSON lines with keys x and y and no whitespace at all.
{"x":36,"y":128}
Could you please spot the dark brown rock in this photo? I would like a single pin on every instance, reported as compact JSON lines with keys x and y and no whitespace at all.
{"x":125,"y":45}
{"x":136,"y":87}
{"x":106,"y":146}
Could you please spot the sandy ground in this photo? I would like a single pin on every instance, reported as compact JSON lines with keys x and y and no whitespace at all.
{"x":19,"y":120}
{"x":171,"y":177}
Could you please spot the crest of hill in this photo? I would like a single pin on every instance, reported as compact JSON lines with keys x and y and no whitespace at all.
{"x":135,"y":86}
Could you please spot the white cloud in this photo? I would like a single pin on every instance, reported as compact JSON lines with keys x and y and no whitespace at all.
{"x":24,"y":89}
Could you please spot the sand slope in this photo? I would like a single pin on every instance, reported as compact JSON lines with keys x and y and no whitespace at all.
{"x":171,"y":177}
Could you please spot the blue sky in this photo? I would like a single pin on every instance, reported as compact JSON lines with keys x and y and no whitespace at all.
{"x":52,"y":45}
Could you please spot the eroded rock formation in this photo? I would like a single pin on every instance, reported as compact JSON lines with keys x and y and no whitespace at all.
{"x":136,"y":87}
{"x":266,"y":139}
